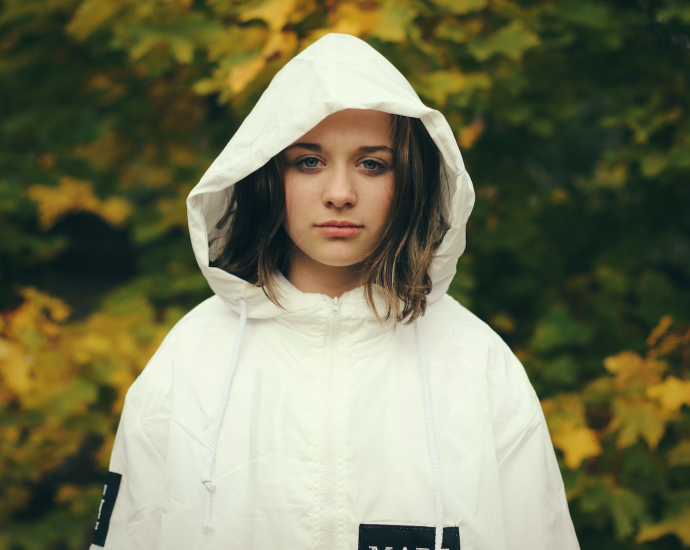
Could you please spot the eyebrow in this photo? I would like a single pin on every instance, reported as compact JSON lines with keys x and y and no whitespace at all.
{"x":317,"y":148}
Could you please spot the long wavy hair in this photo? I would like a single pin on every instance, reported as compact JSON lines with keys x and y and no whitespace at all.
{"x":255,"y":244}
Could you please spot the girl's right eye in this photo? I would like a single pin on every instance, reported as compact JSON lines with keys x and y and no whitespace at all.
{"x":308,"y":162}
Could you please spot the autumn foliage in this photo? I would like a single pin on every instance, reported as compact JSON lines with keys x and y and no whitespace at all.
{"x":572,"y":118}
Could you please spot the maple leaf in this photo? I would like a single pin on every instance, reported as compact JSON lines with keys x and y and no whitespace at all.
{"x":76,"y":195}
{"x":275,"y":13}
{"x":569,"y":431}
{"x":629,"y":367}
{"x":470,"y":133}
{"x":678,"y":524}
{"x":577,"y":443}
{"x":680,"y":454}
{"x":672,"y":393}
{"x":635,"y":418}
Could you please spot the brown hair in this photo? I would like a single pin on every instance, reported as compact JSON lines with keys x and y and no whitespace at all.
{"x":257,"y":244}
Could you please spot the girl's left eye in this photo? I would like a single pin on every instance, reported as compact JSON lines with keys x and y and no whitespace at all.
{"x":373,"y":165}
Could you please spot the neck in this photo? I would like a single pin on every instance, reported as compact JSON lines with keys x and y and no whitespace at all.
{"x":311,"y":276}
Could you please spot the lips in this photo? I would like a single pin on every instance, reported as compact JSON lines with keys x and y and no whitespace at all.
{"x":338,"y":223}
{"x":339,"y":228}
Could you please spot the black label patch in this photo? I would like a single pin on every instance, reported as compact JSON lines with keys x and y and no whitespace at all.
{"x":112,"y":486}
{"x":405,"y":537}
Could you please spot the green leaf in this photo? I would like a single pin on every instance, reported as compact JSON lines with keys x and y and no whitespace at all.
{"x":512,"y":41}
{"x":558,"y":330}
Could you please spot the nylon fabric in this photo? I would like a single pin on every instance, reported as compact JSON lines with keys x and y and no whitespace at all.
{"x":309,"y":421}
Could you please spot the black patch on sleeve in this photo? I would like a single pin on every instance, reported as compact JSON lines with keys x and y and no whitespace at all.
{"x":112,"y":486}
{"x":401,"y":537}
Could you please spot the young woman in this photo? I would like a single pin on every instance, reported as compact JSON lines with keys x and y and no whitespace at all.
{"x":331,"y":395}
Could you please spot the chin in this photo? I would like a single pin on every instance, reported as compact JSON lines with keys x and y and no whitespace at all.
{"x":337,"y":256}
{"x":338,"y":260}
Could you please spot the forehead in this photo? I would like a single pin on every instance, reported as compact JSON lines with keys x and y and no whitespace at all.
{"x":352,"y":125}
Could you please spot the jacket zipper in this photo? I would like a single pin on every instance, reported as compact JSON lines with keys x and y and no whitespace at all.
{"x":330,"y":494}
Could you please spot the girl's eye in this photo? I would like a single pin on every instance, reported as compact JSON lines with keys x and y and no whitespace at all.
{"x":373,"y":166}
{"x":309,"y":162}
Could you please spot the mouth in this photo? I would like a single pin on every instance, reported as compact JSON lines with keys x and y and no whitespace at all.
{"x":336,"y":223}
{"x":337,"y":228}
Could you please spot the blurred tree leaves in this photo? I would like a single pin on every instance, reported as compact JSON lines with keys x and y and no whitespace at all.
{"x":572,"y":119}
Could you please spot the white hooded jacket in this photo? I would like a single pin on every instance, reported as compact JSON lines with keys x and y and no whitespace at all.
{"x":316,"y":427}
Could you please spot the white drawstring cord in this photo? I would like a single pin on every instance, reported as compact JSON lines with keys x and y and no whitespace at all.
{"x":206,"y":478}
{"x":431,"y":436}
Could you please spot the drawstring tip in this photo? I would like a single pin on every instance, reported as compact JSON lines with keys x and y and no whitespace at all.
{"x":206,"y":527}
{"x":208,"y":483}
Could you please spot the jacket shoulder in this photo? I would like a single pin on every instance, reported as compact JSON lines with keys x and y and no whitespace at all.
{"x":448,"y":315}
{"x":209,"y":315}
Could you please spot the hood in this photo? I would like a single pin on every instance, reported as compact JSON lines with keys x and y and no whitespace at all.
{"x":336,"y":72}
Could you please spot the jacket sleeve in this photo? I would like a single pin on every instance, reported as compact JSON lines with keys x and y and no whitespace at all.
{"x":534,"y":505}
{"x":130,"y":514}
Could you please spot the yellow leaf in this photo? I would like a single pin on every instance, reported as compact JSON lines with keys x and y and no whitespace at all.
{"x":180,"y":154}
{"x":105,"y":450}
{"x":680,"y":454}
{"x":182,"y":49}
{"x":559,"y":196}
{"x":15,"y":370}
{"x":637,"y":418}
{"x":276,"y":13}
{"x":460,"y":7}
{"x":457,"y":32}
{"x":280,"y":44}
{"x":350,"y":19}
{"x":242,"y":75}
{"x":664,"y":324}
{"x":503,"y":322}
{"x":569,"y":431}
{"x":672,"y":393}
{"x":66,"y":492}
{"x":577,"y":444}
{"x":91,"y":14}
{"x":678,"y":525}
{"x":173,"y":210}
{"x":609,"y":176}
{"x":104,"y":153}
{"x":440,"y":84}
{"x":669,"y":344}
{"x":469,"y":134}
{"x":629,"y":367}
{"x":393,"y":21}
{"x":115,"y":210}
{"x":56,"y":309}
{"x":75,"y":195}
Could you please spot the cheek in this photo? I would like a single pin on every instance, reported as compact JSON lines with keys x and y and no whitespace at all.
{"x":383,"y":200}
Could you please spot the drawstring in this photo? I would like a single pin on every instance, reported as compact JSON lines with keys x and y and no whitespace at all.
{"x":206,"y":478}
{"x":431,"y":436}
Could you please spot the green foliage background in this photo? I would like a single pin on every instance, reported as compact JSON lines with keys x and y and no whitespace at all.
{"x":572,"y":116}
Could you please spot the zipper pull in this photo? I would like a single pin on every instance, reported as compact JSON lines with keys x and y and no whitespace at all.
{"x":336,"y":304}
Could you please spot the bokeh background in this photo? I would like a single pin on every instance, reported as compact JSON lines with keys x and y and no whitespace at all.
{"x":572,"y":116}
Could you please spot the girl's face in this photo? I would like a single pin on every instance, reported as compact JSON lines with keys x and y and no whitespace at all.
{"x":338,"y":188}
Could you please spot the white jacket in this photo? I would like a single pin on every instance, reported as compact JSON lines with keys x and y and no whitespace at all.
{"x":292,"y":429}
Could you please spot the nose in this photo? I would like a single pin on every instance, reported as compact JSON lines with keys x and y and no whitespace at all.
{"x":339,"y":188}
